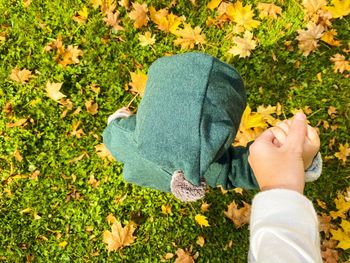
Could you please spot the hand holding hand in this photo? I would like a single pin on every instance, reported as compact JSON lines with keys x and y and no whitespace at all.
{"x":311,"y":144}
{"x":280,"y":166}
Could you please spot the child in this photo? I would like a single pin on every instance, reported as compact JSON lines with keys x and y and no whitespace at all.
{"x":181,"y":138}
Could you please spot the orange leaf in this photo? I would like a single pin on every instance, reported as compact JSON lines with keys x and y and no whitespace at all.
{"x":328,"y":37}
{"x":138,"y":82}
{"x":165,"y":21}
{"x":344,"y":152}
{"x":103,"y":152}
{"x":91,"y":107}
{"x":240,"y":216}
{"x":119,"y":237}
{"x":139,"y":14}
{"x":340,"y":64}
{"x":189,"y":37}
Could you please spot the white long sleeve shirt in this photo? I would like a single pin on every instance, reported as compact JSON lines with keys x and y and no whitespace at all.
{"x":283,"y":228}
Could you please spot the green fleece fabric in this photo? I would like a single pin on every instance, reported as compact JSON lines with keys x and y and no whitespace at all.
{"x":187,"y":120}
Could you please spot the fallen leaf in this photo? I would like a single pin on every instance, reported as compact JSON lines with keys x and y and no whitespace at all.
{"x":308,"y":39}
{"x":93,"y":182}
{"x":18,"y":155}
{"x":204,"y":207}
{"x":166,"y":257}
{"x":91,"y":107}
{"x":18,"y":123}
{"x":342,"y":235}
{"x":111,"y":219}
{"x":68,"y":56}
{"x":165,"y":22}
{"x":183,"y":256}
{"x":63,"y":244}
{"x":243,"y":46}
{"x":330,"y":256}
{"x":238,"y":190}
{"x":240,"y":216}
{"x":214,"y":4}
{"x":269,"y":10}
{"x":113,"y":20}
{"x":200,"y":241}
{"x":321,"y":204}
{"x":340,"y":64}
{"x":266,"y":113}
{"x":188,"y":37}
{"x":53,"y":91}
{"x":328,"y":37}
{"x":166,"y":209}
{"x":201,"y":220}
{"x":27,"y":3}
{"x":339,"y":9}
{"x":75,"y":131}
{"x":242,"y":15}
{"x":124,"y":3}
{"x":20,"y":76}
{"x":332,"y":110}
{"x":119,"y":237}
{"x":139,"y":14}
{"x":138,"y":82}
{"x":81,"y":16}
{"x":312,"y":6}
{"x":325,"y":223}
{"x":103,"y":152}
{"x":147,"y":39}
{"x":342,"y":205}
{"x":344,"y":152}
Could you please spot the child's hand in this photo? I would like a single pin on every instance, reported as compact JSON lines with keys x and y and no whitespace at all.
{"x":311,"y":143}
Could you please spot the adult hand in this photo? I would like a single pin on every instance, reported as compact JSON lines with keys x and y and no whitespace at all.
{"x":280,"y":166}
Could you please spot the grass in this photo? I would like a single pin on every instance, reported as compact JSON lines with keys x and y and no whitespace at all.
{"x":72,"y":210}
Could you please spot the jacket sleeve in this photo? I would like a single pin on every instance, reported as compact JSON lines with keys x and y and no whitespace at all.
{"x":232,"y":170}
{"x":283,"y":228}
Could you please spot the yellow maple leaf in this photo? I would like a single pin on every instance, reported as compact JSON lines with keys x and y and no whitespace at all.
{"x":119,"y":237}
{"x":342,"y":235}
{"x":53,"y":91}
{"x":340,"y":63}
{"x":102,"y":151}
{"x":200,"y":241}
{"x":138,"y":82}
{"x":266,"y":114}
{"x":113,"y":20}
{"x":344,"y":152}
{"x":91,"y":107}
{"x":328,"y":37}
{"x":166,"y":209}
{"x":312,"y":6}
{"x":139,"y":14}
{"x":147,"y":39}
{"x":252,"y":119}
{"x":243,"y":46}
{"x":20,"y":76}
{"x":240,"y":216}
{"x":340,"y":8}
{"x":213,"y":4}
{"x":201,"y":220}
{"x":308,"y":39}
{"x":242,"y":15}
{"x":342,"y":205}
{"x":269,"y":10}
{"x":189,"y":37}
{"x":204,"y":207}
{"x":165,"y":22}
{"x":82,"y":15}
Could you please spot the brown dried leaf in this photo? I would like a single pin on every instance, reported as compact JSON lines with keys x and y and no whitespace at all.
{"x":330,"y":256}
{"x":269,"y":10}
{"x":308,"y":39}
{"x":119,"y":237}
{"x":20,"y":76}
{"x":340,"y":64}
{"x":113,"y":20}
{"x":139,"y":14}
{"x":183,"y":256}
{"x":204,"y":207}
{"x":240,"y":216}
{"x":344,"y":152}
{"x":18,"y":123}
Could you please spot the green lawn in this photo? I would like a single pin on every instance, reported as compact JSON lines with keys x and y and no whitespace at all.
{"x":57,"y":215}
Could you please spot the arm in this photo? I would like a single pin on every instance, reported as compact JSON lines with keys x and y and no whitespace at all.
{"x":283,"y":228}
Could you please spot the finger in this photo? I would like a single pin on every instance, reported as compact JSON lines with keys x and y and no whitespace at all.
{"x":266,"y":136}
{"x":312,"y":136}
{"x":276,"y":142}
{"x":284,"y":126}
{"x":280,"y":134}
{"x":297,"y":133}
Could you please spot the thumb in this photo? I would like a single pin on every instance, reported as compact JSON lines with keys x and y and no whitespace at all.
{"x":297,"y":132}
